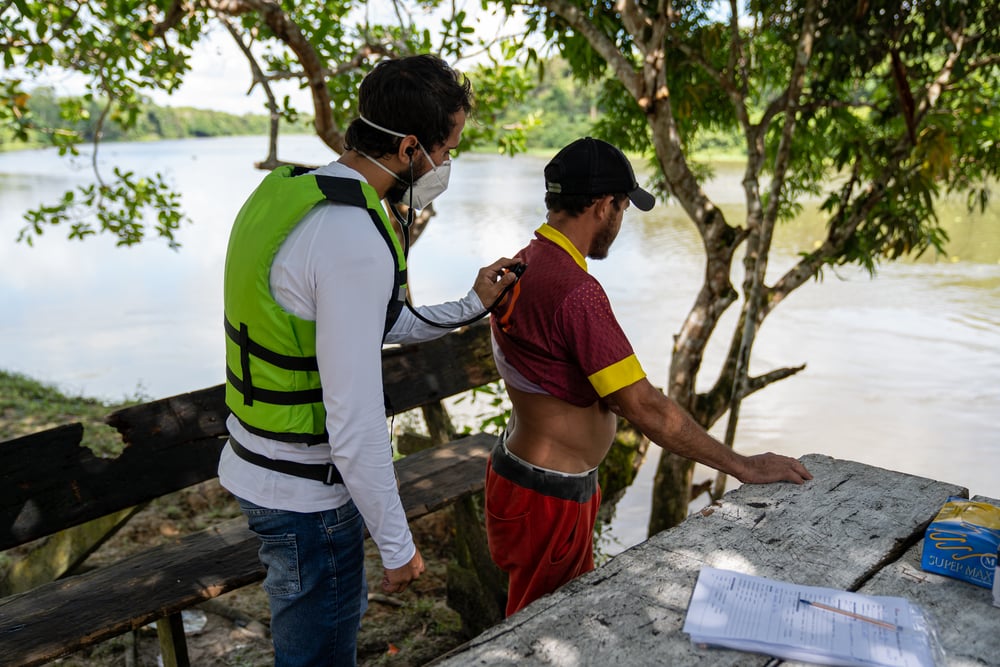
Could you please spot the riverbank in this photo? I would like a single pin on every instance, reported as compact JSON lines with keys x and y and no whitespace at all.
{"x":404,"y":630}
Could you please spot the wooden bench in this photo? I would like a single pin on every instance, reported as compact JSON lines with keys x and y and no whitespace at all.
{"x":52,"y":483}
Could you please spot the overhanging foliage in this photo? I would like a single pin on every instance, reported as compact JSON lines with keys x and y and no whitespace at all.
{"x":125,"y":49}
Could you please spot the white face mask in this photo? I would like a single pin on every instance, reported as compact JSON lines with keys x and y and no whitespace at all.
{"x":424,"y":189}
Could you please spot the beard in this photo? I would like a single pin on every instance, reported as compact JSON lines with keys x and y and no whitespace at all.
{"x":601,"y":244}
{"x":404,"y":179}
{"x":395,"y":193}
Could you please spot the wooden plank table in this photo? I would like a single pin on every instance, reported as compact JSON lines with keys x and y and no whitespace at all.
{"x":854,"y":527}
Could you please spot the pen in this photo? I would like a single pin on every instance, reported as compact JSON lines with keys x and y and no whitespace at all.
{"x":836,"y":610}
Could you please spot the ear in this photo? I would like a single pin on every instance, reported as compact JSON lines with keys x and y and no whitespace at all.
{"x":408,"y":147}
{"x":603,"y":206}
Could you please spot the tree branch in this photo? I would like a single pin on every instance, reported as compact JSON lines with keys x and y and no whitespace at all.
{"x":803,"y":54}
{"x":984,"y":62}
{"x":934,"y":90}
{"x":635,"y":20}
{"x":840,"y":233}
{"x":750,"y":386}
{"x":605,"y":47}
{"x":98,"y":131}
{"x":272,"y":103}
{"x":737,"y":53}
{"x":832,"y":246}
{"x":758,"y":382}
{"x":172,"y":17}
{"x":286,"y":30}
{"x":759,"y":242}
{"x":650,"y":39}
{"x":737,"y":94}
{"x":366,"y":51}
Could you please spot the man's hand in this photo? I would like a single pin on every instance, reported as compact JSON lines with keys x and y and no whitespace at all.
{"x":492,"y":280}
{"x":766,"y":468}
{"x":396,"y":580}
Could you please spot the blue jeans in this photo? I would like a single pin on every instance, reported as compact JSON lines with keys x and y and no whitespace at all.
{"x":315,"y":581}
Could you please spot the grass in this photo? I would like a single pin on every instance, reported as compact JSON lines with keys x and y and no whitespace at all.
{"x":28,"y":406}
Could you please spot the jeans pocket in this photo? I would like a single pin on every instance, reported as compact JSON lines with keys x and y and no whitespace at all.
{"x":280,"y":557}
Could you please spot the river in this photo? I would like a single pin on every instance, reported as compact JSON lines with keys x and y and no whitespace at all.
{"x":903,"y":371}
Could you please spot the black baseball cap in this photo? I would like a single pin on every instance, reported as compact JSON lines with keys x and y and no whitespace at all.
{"x":590,"y":166}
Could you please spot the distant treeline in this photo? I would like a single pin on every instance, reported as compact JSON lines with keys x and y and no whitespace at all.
{"x":152,"y":122}
{"x":559,"y":110}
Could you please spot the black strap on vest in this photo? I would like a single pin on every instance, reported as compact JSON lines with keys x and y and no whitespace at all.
{"x":249,"y":346}
{"x":326,"y":473}
{"x":299,"y":397}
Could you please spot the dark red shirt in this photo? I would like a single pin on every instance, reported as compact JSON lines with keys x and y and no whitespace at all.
{"x":556,"y":327}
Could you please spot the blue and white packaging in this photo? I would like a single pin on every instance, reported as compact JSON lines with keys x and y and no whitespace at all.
{"x":963,"y":541}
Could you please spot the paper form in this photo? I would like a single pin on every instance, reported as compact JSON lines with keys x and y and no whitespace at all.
{"x":751,"y":613}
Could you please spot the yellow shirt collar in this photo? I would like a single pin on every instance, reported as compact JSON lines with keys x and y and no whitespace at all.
{"x":557,"y":237}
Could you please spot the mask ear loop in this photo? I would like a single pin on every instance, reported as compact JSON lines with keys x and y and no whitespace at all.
{"x":408,"y":222}
{"x":409,"y":213}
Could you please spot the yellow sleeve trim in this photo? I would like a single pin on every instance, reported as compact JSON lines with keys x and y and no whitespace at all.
{"x":617,"y":376}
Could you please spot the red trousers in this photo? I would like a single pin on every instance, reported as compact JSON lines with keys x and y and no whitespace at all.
{"x":541,"y":540}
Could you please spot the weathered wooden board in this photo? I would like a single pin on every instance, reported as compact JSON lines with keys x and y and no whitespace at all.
{"x":174,"y":443}
{"x":71,"y":613}
{"x":63,"y":485}
{"x":415,"y":375}
{"x":62,"y":553}
{"x":967,"y":624}
{"x":437,"y":477}
{"x":412,"y":376}
{"x":67,"y":615}
{"x":836,"y":530}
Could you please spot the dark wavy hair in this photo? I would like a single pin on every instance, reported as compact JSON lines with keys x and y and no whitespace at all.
{"x":576,"y":204}
{"x":414,"y":95}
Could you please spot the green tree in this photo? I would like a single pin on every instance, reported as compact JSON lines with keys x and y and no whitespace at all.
{"x":125,"y":49}
{"x":559,"y":109}
{"x":877,"y":106}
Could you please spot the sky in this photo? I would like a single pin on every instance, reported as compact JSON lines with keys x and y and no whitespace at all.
{"x":220,"y":79}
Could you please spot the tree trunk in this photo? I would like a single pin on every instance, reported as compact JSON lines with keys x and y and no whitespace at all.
{"x":671,"y":492}
{"x":476,"y":587}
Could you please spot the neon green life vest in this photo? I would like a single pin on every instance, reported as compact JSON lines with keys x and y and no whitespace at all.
{"x":272,"y":378}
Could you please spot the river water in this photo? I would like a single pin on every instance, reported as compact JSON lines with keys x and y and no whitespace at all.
{"x":903,"y":371}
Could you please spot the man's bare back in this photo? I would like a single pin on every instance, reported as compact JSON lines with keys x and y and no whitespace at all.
{"x":551,"y":433}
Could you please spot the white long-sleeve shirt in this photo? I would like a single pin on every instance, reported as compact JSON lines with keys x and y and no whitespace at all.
{"x":334,"y":268}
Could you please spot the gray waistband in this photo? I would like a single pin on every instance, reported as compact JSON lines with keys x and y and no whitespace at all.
{"x":576,"y":487}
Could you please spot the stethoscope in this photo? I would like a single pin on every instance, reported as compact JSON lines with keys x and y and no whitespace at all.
{"x":404,"y":224}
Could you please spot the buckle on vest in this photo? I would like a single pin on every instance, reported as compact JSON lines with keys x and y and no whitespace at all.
{"x":331,"y":472}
